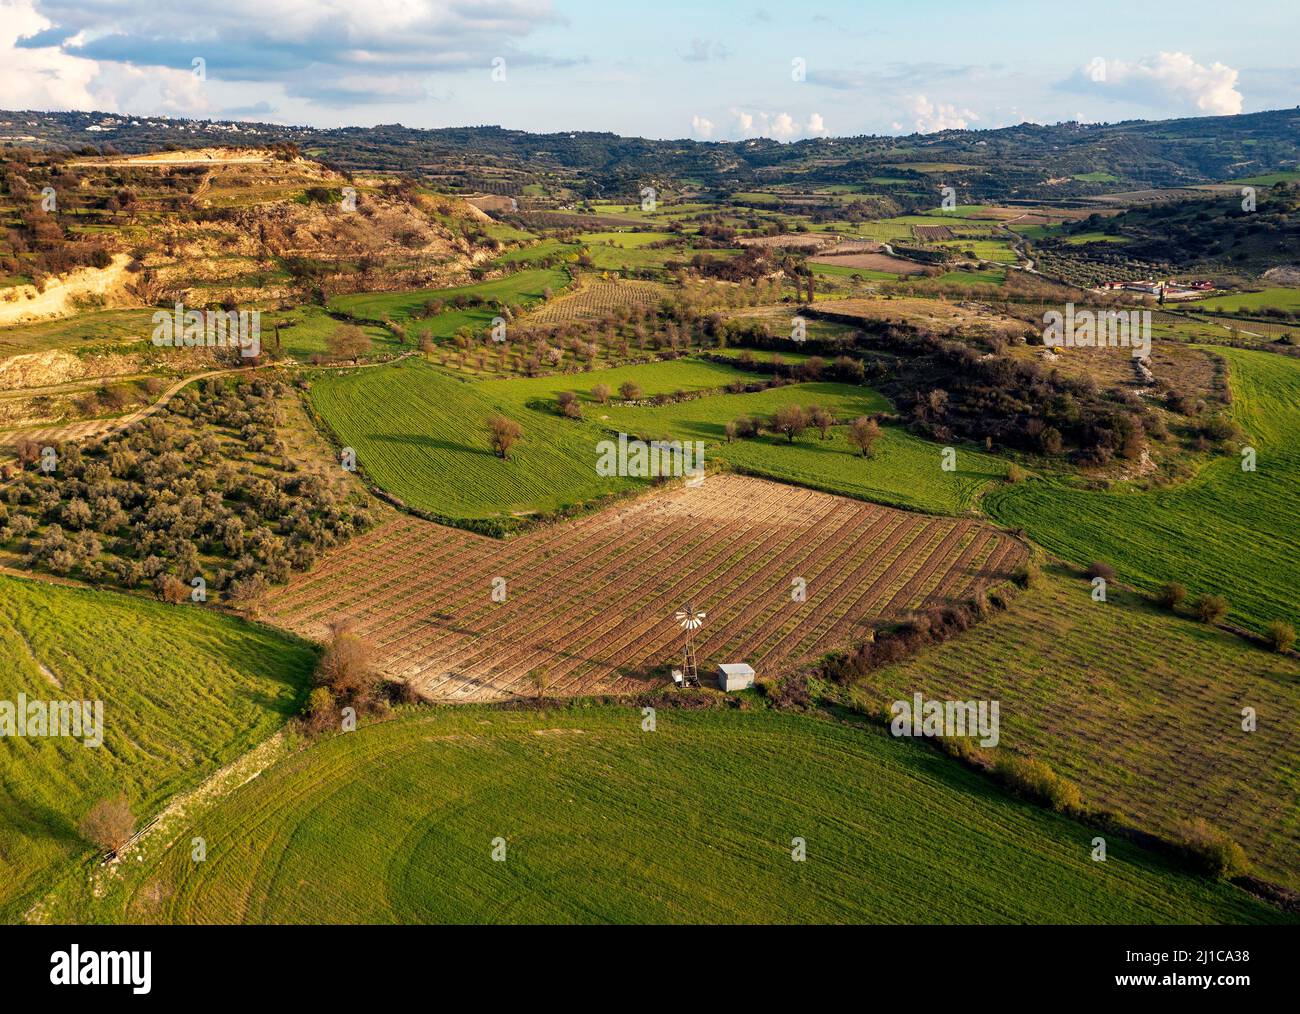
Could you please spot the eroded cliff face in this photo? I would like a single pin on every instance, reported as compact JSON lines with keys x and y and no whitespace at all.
{"x":35,"y":370}
{"x":102,"y":288}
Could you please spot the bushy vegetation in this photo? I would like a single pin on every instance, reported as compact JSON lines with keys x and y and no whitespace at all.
{"x":203,"y":489}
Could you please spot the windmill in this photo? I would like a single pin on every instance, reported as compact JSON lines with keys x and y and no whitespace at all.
{"x":690,"y":620}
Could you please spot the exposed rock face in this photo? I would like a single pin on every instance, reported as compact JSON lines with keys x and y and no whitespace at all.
{"x":47,"y":369}
{"x":107,"y":287}
{"x":1287,"y":275}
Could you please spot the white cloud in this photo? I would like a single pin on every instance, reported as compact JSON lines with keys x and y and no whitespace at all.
{"x":48,"y":77}
{"x":39,"y":78}
{"x":816,"y":125}
{"x":1165,"y":79}
{"x":930,"y":117}
{"x":705,"y":50}
{"x":782,"y":126}
{"x":701,"y":125}
{"x":779,"y":126}
{"x":105,"y":54}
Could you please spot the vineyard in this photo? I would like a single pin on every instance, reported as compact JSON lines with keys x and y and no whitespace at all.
{"x":599,"y":299}
{"x":589,"y":604}
{"x":1157,"y":739}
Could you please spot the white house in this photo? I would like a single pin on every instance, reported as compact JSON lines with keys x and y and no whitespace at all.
{"x":735,"y":676}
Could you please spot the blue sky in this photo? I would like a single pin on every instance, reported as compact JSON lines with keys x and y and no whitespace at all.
{"x":706,"y":70}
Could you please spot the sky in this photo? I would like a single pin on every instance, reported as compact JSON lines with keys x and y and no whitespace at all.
{"x":706,"y":69}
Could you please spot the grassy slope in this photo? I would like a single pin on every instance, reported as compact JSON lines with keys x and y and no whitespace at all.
{"x":103,"y":326}
{"x":1285,"y":299}
{"x":524,"y":287}
{"x":310,"y":333}
{"x":184,"y":691}
{"x":1225,"y":532}
{"x":423,"y":436}
{"x":903,"y":470}
{"x":430,"y":446}
{"x":691,"y":823}
{"x":1157,"y":738}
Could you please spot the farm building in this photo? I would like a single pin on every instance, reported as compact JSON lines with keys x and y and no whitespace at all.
{"x":735,"y":676}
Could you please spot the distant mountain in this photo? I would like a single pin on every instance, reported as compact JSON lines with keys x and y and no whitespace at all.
{"x":1065,"y":161}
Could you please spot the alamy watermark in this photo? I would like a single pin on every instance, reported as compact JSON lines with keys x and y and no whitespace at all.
{"x":654,"y":459}
{"x":182,"y":328}
{"x":921,"y":717}
{"x":24,"y":719}
{"x":1130,"y":329}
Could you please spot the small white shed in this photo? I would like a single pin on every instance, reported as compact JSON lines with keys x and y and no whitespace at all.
{"x":735,"y":676}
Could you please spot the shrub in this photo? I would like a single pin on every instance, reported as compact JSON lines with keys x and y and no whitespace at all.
{"x":1015,"y":474}
{"x":1099,"y":569}
{"x":1280,"y":636}
{"x":345,"y":668}
{"x":1171,"y":595}
{"x":109,"y":824}
{"x":822,"y":419}
{"x":170,"y":588}
{"x":1210,"y":608}
{"x":629,"y":391}
{"x":1027,"y":575}
{"x":1035,"y":780}
{"x":1212,"y":851}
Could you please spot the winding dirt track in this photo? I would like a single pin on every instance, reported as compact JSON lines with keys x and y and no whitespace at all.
{"x":592,"y":601}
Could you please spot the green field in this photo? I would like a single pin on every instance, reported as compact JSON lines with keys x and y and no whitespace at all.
{"x":842,"y":271}
{"x":184,"y":690}
{"x":525,"y":287}
{"x":604,"y":823}
{"x":626,"y":240}
{"x":1080,"y":238}
{"x":1226,"y":531}
{"x":536,"y":252}
{"x":1156,"y":738}
{"x":310,"y":332}
{"x":102,"y":327}
{"x":1245,"y":302}
{"x":986,"y":276}
{"x":422,"y":435}
{"x":996,"y":250}
{"x":903,"y":471}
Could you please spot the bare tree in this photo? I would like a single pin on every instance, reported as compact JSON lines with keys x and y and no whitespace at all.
{"x":109,"y":823}
{"x":348,"y":342}
{"x":346,"y":665}
{"x":504,"y":434}
{"x":822,"y":419}
{"x":790,"y":420}
{"x":863,"y":434}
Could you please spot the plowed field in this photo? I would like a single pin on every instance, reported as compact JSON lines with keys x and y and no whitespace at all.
{"x":591,"y":602}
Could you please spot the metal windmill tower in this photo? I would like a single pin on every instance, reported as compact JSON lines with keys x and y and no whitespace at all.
{"x":690,"y":620}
